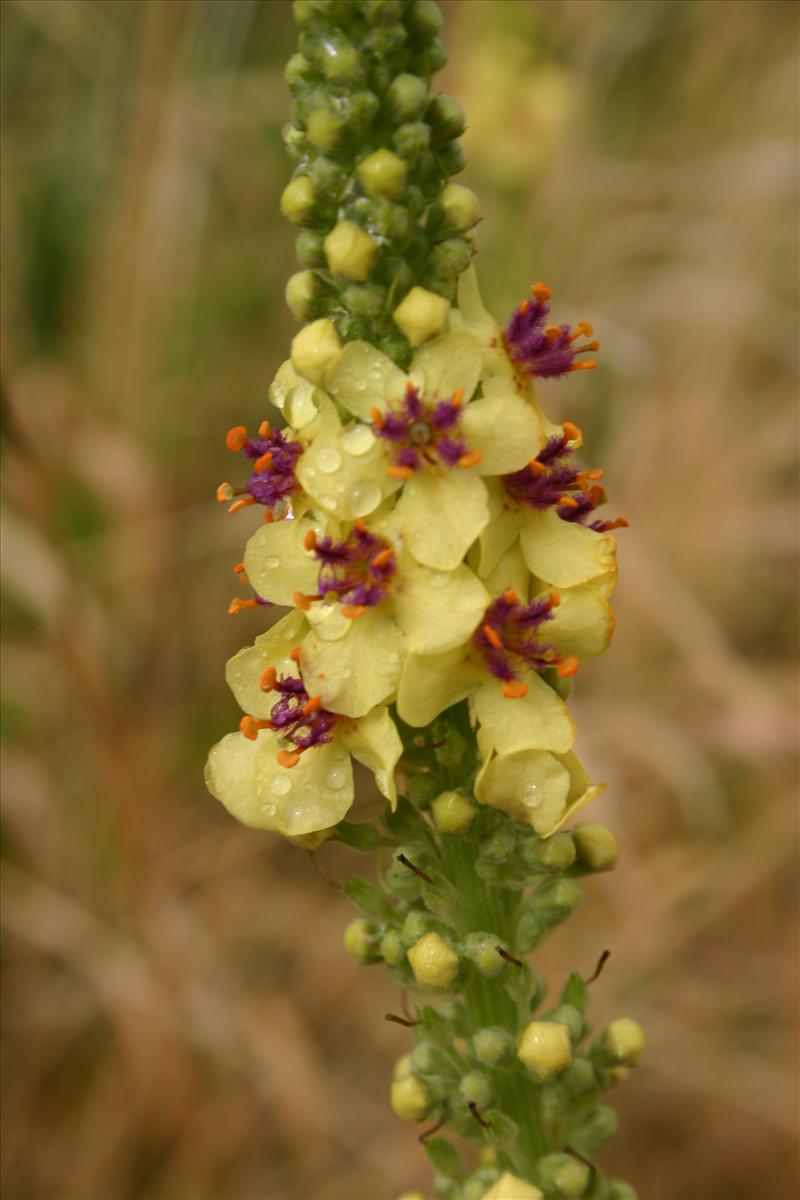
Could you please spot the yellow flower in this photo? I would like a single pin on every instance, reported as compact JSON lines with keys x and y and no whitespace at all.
{"x":534,"y":787}
{"x":289,"y":768}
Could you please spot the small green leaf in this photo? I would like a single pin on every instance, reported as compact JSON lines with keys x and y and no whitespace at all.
{"x":368,"y":898}
{"x":360,"y":836}
{"x":575,"y":992}
{"x":443,"y":1157}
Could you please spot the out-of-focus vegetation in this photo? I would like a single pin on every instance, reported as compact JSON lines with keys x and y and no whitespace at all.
{"x":179,"y":1018}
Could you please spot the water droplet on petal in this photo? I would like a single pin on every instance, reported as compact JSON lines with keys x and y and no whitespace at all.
{"x":329,"y":460}
{"x":281,"y":784}
{"x":269,"y":810}
{"x":438,"y":579}
{"x":328,"y":502}
{"x":336,"y":777}
{"x":345,"y":673}
{"x":393,"y":659}
{"x":300,"y":408}
{"x":357,"y":439}
{"x":364,"y":497}
{"x":272,"y":561}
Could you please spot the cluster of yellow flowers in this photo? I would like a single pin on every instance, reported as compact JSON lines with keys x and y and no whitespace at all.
{"x":431,"y":536}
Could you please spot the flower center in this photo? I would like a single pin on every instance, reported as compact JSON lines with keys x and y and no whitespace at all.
{"x":545,"y":350}
{"x":509,"y":643}
{"x":300,"y":719}
{"x":424,"y":431}
{"x":273,"y":479}
{"x":357,"y":571}
{"x":551,"y":480}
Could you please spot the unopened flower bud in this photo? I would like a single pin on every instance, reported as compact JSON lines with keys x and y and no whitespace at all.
{"x":427,"y":1059}
{"x":341,"y":61}
{"x":417,"y":923}
{"x":449,"y":259}
{"x":567,"y":1014}
{"x":596,"y":845}
{"x":476,"y":1089}
{"x":309,"y":248}
{"x":382,"y":173}
{"x":594,"y":1129}
{"x":452,"y":813}
{"x":411,"y":139}
{"x":329,"y":176}
{"x":392,"y":950}
{"x":456,"y":210}
{"x":498,"y":846}
{"x":562,"y":1175}
{"x":578,"y":1077}
{"x":364,"y":299}
{"x":618,"y":1189}
{"x":410,"y":1099}
{"x":434,"y":963}
{"x":624,"y":1042}
{"x":424,"y":18}
{"x":363,"y":108}
{"x":481,"y":950}
{"x":452,"y":158}
{"x":297,"y":199}
{"x":511,"y":1187}
{"x":314,"y":349}
{"x":421,"y":315}
{"x":300,"y":291}
{"x":406,"y":96}
{"x":545,"y":1048}
{"x":618,"y":1075}
{"x":555,"y":853}
{"x":297,"y":71}
{"x":402,"y":1067}
{"x":350,"y":251}
{"x":325,"y":129}
{"x":446,"y":117}
{"x":360,"y":941}
{"x":493,"y":1046}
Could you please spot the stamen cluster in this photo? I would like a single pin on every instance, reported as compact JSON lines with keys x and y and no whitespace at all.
{"x":424,"y":432}
{"x":542,"y":350}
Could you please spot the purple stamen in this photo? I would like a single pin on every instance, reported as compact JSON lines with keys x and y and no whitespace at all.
{"x":421,"y":430}
{"x":505,"y":636}
{"x":552,"y":481}
{"x":358,"y":570}
{"x":546,"y":351}
{"x":296,"y":718}
{"x":277,"y":480}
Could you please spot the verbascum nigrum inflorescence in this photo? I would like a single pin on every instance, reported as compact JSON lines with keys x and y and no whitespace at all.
{"x":446,"y":568}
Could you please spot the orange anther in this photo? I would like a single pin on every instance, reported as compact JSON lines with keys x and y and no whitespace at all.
{"x":523,"y":308}
{"x":225,"y":493}
{"x":245,"y":502}
{"x":312,"y":704}
{"x":400,"y":472}
{"x":361,"y":525}
{"x":238,"y":569}
{"x":536,"y":467}
{"x":617,"y":523}
{"x":410,"y":386}
{"x":510,"y":596}
{"x":457,"y":398}
{"x":471,"y":458}
{"x":541,"y":291}
{"x":377,"y":417}
{"x":264,"y":429}
{"x":294,"y":654}
{"x":598,"y":493}
{"x":583,"y":327}
{"x":235,"y":438}
{"x":261,"y":464}
{"x":288,"y":758}
{"x":301,"y":601}
{"x":492,"y":637}
{"x":382,"y":557}
{"x":552,"y":331}
{"x":595,"y":473}
{"x":584,"y":366}
{"x":554,"y":599}
{"x":353,"y":611}
{"x":594,"y":345}
{"x":515,"y":691}
{"x":269,"y":516}
{"x":572,"y":433}
{"x":267,"y":679}
{"x":237,"y":604}
{"x":567,"y":502}
{"x":568,"y":666}
{"x":250,"y":726}
{"x":310,"y":540}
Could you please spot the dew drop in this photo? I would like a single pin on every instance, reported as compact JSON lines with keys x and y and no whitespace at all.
{"x":345,"y":672}
{"x":328,"y":502}
{"x":357,"y":439}
{"x":364,"y":497}
{"x":438,"y":579}
{"x":299,"y":407}
{"x":310,"y":472}
{"x":339,"y":488}
{"x":392,"y":659}
{"x":336,"y":777}
{"x":281,"y":784}
{"x":269,"y":810}
{"x":329,"y":460}
{"x":272,"y":561}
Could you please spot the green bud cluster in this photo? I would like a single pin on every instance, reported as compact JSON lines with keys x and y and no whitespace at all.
{"x":487,"y":1052}
{"x":373,"y":154}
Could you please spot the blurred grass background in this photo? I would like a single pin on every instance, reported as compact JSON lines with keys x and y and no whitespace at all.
{"x":179,"y":1020}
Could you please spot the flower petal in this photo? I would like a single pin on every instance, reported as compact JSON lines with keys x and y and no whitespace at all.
{"x":442,"y":367}
{"x":277,"y":563}
{"x":511,"y":572}
{"x":355,"y":672}
{"x":375,"y":742}
{"x":505,"y":429}
{"x":441,"y":513}
{"x":436,"y":610}
{"x":531,"y":786}
{"x":583,"y":622}
{"x":431,"y":683}
{"x":246,"y":777}
{"x":562,"y":552}
{"x":270,"y":649}
{"x":539,"y":720}
{"x":502,"y":529}
{"x":363,"y":378}
{"x":344,"y":471}
{"x":581,"y":793}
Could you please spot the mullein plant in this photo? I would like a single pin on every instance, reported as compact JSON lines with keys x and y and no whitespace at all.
{"x":445,"y":568}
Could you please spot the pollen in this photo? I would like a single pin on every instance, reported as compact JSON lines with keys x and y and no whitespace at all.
{"x":541,"y":291}
{"x":353,"y":611}
{"x":471,"y":458}
{"x":400,"y":472}
{"x":267,"y":679}
{"x":245,"y":502}
{"x":572,"y":433}
{"x":250,"y":726}
{"x":236,"y":437}
{"x":568,"y":666}
{"x":312,"y":704}
{"x":264,"y":462}
{"x":310,"y":540}
{"x":237,"y":604}
{"x":288,"y":758}
{"x":493,"y":637}
{"x":264,"y":429}
{"x":515,"y":690}
{"x":225,"y":493}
